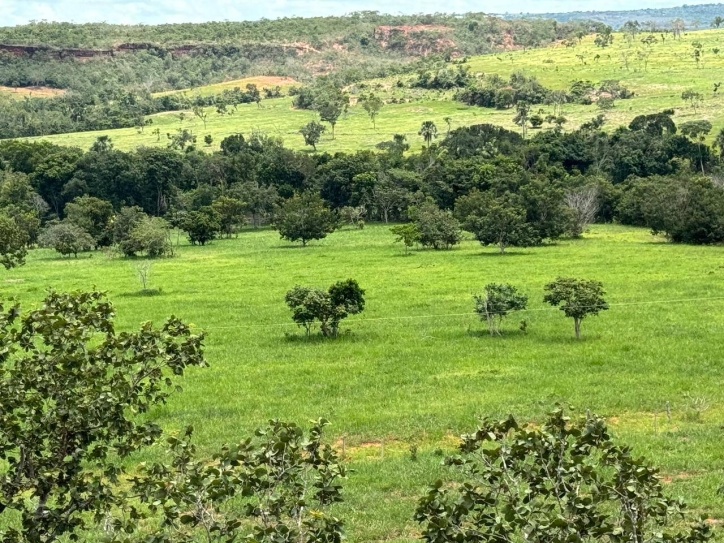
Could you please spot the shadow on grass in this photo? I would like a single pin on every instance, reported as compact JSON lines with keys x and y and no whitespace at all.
{"x":145,"y":293}
{"x":61,"y":258}
{"x":483,"y":333}
{"x":498,"y":254}
{"x":317,"y":337}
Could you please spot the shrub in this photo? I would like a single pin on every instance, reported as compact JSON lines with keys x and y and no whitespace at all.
{"x":152,"y":236}
{"x":67,"y":238}
{"x":496,"y":302}
{"x":329,"y":308}
{"x":438,"y":229}
{"x":201,"y":226}
{"x":304,"y":218}
{"x":565,"y":480}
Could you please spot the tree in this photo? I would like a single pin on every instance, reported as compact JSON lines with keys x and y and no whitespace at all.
{"x":331,"y":104}
{"x":310,"y":304}
{"x":438,"y":228}
{"x":372,"y":105}
{"x":13,"y":242}
{"x":717,"y":22}
{"x":719,"y":143}
{"x":604,"y":38}
{"x":583,"y":204}
{"x":201,"y":226}
{"x":496,"y":302}
{"x":577,"y":298}
{"x":354,"y":215}
{"x":202,"y":114}
{"x":694,"y":98}
{"x":71,"y":389}
{"x":407,"y":233}
{"x":259,"y":200}
{"x":697,"y":131}
{"x":208,"y":140}
{"x":126,"y":219}
{"x":497,"y":221}
{"x":151,"y":235}
{"x":231,"y":214}
{"x":67,"y":238}
{"x":304,"y":218}
{"x":272,"y":487}
{"x":312,"y":133}
{"x":428,"y":131}
{"x":522,"y":116}
{"x":93,"y":215}
{"x":565,"y":480}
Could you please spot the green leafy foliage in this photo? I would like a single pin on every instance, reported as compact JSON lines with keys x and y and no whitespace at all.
{"x":312,"y":133}
{"x":202,"y":226}
{"x":70,"y":392}
{"x":407,"y":234}
{"x":577,"y":298}
{"x":310,"y":304}
{"x":304,"y":218}
{"x":275,"y":486}
{"x":565,"y":480}
{"x":496,"y":302}
{"x":13,"y":241}
{"x":67,"y":238}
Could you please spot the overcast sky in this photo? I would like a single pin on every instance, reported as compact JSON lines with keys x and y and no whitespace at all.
{"x":13,"y":12}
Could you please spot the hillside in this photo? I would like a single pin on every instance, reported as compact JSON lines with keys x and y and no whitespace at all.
{"x":694,"y":16}
{"x":658,"y":80}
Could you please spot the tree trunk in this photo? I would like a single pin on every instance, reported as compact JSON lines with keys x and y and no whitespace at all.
{"x":577,"y":327}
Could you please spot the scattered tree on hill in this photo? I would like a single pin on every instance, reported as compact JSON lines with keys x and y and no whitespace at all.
{"x":522,"y":116}
{"x":312,"y":133}
{"x":438,"y":228}
{"x":494,"y":220}
{"x":208,"y":140}
{"x":565,"y":480}
{"x":407,"y":233}
{"x":693,"y":98}
{"x":428,"y":131}
{"x":577,"y":298}
{"x":72,"y":389}
{"x":583,"y":204}
{"x":201,"y":226}
{"x":496,"y":302}
{"x":604,"y":38}
{"x":372,"y":104}
{"x":330,"y":104}
{"x":67,"y":238}
{"x":717,"y":22}
{"x":202,"y":114}
{"x":677,"y":27}
{"x":310,"y":304}
{"x":13,"y":242}
{"x":304,"y":218}
{"x":182,"y":140}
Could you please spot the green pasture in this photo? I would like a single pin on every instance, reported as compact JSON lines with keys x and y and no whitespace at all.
{"x":417,"y":366}
{"x":668,"y":70}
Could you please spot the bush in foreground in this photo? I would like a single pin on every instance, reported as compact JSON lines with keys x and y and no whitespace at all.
{"x":565,"y":480}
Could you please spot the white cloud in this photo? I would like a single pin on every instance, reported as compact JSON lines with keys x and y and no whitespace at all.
{"x":177,"y":11}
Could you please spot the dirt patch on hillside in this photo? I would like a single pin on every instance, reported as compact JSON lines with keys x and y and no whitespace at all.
{"x":33,"y":92}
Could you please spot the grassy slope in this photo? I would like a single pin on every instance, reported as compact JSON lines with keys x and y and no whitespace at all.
{"x":417,"y":366}
{"x":260,"y":81}
{"x":671,"y":69}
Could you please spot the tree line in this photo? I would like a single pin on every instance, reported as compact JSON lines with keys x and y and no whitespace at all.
{"x":505,"y":190}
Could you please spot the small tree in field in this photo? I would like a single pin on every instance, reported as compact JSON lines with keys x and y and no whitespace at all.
{"x":577,"y":298}
{"x":565,"y":480}
{"x":312,"y":133}
{"x":408,"y":234}
{"x":583,"y":207}
{"x":372,"y":105}
{"x":438,"y":228}
{"x":67,"y":238}
{"x":496,"y":302}
{"x":304,"y":218}
{"x":201,"y":226}
{"x":310,"y":304}
{"x":71,"y":390}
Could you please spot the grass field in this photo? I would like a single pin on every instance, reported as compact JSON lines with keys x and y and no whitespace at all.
{"x":670,"y":69}
{"x":31,"y":92}
{"x":417,"y":367}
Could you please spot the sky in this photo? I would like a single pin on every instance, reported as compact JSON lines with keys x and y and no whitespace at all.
{"x":14,"y":12}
